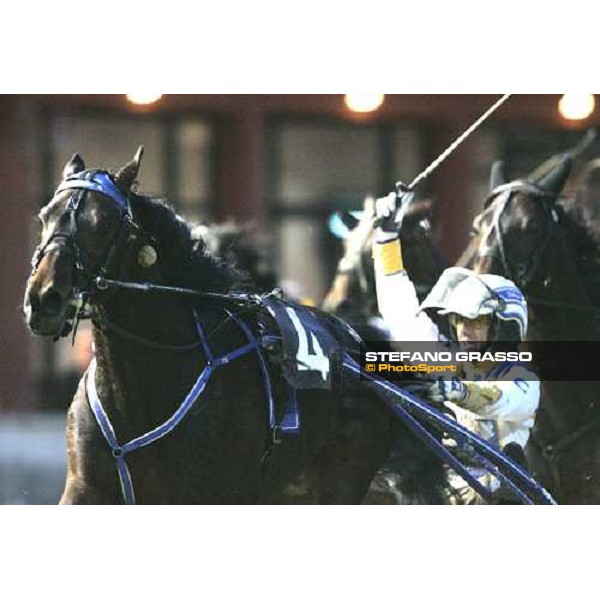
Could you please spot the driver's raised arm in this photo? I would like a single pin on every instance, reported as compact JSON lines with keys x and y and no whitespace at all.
{"x":396,"y":295}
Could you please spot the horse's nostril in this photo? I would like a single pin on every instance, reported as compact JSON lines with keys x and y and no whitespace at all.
{"x":51,"y":302}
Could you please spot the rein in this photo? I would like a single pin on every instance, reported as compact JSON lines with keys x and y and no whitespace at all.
{"x":102,"y":284}
{"x":413,"y":411}
{"x":239,"y":299}
{"x":146,"y":287}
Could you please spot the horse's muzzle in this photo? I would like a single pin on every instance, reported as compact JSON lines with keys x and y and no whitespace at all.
{"x":46,"y":311}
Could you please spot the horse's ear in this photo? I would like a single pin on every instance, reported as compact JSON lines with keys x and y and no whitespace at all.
{"x":498,"y":175}
{"x":127,"y":174}
{"x":75,"y":165}
{"x":556,"y":179}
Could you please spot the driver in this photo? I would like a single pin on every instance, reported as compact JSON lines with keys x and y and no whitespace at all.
{"x":496,"y":400}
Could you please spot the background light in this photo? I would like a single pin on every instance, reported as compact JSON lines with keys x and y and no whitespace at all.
{"x":576,"y":107}
{"x":144,"y":98}
{"x":363,"y":103}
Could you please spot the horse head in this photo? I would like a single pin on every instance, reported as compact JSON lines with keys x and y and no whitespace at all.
{"x":87,"y":231}
{"x":517,"y":227}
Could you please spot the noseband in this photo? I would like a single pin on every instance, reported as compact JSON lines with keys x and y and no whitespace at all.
{"x":504,"y":194}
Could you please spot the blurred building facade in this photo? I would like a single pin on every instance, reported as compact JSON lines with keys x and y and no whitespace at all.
{"x":283,"y":162}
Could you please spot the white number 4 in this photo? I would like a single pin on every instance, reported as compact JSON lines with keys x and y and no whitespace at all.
{"x":307,"y":361}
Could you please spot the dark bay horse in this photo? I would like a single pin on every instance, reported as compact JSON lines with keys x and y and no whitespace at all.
{"x":149,"y":353}
{"x":526,"y":234}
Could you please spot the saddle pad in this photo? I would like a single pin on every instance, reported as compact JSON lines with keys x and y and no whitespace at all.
{"x":310,"y":350}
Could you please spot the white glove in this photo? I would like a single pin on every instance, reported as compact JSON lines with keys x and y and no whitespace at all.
{"x":447,"y":391}
{"x":389,"y":212}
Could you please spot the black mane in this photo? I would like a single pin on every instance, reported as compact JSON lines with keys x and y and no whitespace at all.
{"x":183,"y":261}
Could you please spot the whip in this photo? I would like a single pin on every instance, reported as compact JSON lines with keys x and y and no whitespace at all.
{"x":402,"y":187}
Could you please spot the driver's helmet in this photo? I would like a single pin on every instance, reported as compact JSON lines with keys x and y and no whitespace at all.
{"x":463,"y":292}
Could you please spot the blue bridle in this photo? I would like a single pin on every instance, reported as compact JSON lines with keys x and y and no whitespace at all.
{"x":84,"y":277}
{"x":100,"y":182}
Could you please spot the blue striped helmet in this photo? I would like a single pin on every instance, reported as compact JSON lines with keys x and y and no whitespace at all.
{"x":464,"y":292}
